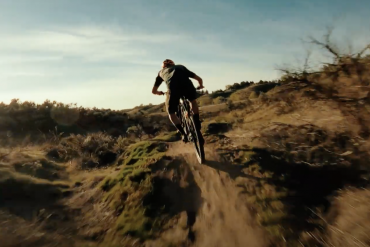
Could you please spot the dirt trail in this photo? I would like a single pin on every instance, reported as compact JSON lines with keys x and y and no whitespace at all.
{"x":223,"y":218}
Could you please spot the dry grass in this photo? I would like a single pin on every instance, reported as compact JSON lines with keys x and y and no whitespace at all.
{"x":168,"y":137}
{"x":348,"y":222}
{"x":313,"y":141}
{"x":75,"y":196}
{"x":307,"y":142}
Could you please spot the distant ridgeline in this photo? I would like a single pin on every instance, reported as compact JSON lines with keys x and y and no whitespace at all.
{"x":23,"y":118}
{"x":20,"y":118}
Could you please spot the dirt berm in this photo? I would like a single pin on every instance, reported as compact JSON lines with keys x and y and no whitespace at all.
{"x":215,"y":211}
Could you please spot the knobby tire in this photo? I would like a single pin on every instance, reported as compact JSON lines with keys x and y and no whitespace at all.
{"x":190,"y":127}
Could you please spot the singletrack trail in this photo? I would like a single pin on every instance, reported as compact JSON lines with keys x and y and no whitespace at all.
{"x":223,"y":218}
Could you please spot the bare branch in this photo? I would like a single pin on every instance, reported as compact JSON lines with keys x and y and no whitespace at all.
{"x":349,"y":47}
{"x":306,"y":61}
{"x":363,"y":51}
{"x":329,"y":31}
{"x":327,"y":44}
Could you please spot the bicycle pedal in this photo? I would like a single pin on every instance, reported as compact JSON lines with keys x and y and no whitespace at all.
{"x":185,"y":140}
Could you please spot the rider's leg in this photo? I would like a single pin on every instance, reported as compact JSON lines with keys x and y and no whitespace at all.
{"x":172,"y":104}
{"x":191,"y":94}
{"x":176,"y":122}
{"x":195,"y":109}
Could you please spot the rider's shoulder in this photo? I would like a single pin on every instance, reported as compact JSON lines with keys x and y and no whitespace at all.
{"x":180,"y":66}
{"x":172,"y":68}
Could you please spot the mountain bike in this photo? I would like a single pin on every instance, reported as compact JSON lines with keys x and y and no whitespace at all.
{"x":185,"y":114}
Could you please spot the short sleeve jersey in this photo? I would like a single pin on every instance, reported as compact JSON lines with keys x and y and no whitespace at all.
{"x":173,"y":74}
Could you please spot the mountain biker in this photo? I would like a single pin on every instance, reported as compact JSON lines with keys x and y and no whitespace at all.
{"x":178,"y":84}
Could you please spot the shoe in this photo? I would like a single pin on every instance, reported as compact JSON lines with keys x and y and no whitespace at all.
{"x":184,"y":139}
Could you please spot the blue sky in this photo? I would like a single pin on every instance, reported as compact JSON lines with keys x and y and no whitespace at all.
{"x":107,"y":53}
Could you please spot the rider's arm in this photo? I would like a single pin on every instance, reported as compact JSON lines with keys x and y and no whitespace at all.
{"x":200,"y":81}
{"x":194,"y":76}
{"x":155,"y":91}
{"x":158,"y":82}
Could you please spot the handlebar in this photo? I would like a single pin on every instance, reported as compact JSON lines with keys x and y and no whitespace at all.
{"x":198,"y":88}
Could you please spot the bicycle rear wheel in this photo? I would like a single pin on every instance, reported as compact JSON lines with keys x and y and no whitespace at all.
{"x":193,"y":133}
{"x":199,"y":146}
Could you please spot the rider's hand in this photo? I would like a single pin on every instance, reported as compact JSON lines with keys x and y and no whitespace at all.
{"x":160,"y":93}
{"x":200,"y":87}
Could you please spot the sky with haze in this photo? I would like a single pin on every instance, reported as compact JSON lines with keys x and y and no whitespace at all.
{"x":108,"y":53}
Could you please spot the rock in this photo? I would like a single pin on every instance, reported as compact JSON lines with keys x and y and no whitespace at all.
{"x":90,"y":164}
{"x":216,"y":128}
{"x":115,"y":132}
{"x":53,"y":153}
{"x":106,"y":157}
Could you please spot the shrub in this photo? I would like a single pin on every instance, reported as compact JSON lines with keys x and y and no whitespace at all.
{"x":253,"y":95}
{"x":219,"y":100}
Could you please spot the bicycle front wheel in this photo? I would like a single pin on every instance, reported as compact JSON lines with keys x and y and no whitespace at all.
{"x":198,"y":144}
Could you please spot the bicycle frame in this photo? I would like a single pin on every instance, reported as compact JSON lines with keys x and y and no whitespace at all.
{"x":185,"y":115}
{"x":190,"y":129}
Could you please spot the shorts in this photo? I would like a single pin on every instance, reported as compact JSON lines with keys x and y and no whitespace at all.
{"x":175,"y":93}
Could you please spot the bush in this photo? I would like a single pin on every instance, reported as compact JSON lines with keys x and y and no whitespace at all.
{"x":17,"y":187}
{"x":216,"y":128}
{"x":253,"y":95}
{"x":263,"y":98}
{"x":205,"y":100}
{"x":219,"y":100}
{"x":96,"y":149}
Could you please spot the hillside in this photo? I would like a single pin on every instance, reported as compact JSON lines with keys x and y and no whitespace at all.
{"x":287,"y":165}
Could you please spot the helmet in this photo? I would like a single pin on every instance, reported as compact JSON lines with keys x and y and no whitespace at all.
{"x":167,"y":62}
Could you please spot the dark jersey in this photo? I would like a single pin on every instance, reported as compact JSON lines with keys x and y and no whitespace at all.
{"x":173,"y":75}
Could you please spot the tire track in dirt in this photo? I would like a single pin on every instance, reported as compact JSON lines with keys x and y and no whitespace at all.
{"x":223,"y":218}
